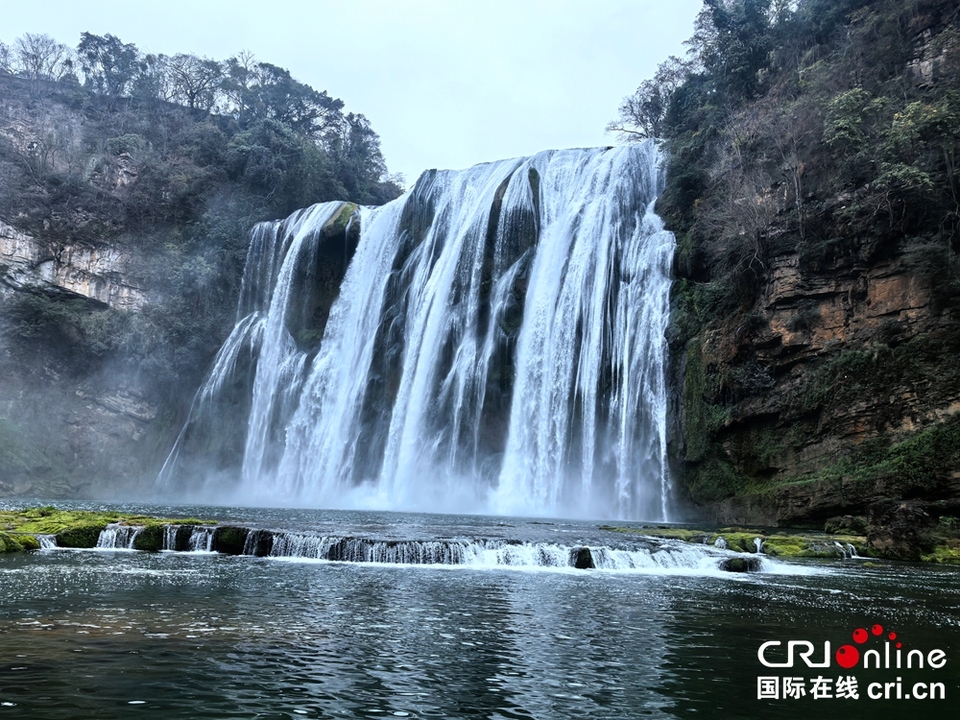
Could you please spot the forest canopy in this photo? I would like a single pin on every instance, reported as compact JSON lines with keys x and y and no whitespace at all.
{"x":810,"y":123}
{"x":260,"y":100}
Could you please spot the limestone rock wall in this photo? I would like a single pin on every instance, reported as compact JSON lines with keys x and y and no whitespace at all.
{"x":833,"y":363}
{"x":99,"y":273}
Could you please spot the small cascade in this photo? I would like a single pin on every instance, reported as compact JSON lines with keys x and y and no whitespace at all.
{"x":118,"y":537}
{"x":758,"y":543}
{"x":170,"y":537}
{"x":201,"y":540}
{"x":47,"y":542}
{"x":491,"y":553}
{"x":846,"y":550}
{"x":678,"y":556}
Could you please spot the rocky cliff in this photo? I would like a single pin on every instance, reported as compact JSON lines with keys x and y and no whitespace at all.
{"x":124,"y":228}
{"x":815,"y":327}
{"x":67,"y":421}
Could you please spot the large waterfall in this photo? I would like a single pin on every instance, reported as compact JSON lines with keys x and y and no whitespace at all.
{"x":496,"y":345}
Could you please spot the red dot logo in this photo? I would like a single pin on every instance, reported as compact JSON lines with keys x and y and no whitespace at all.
{"x":877,"y":629}
{"x":899,"y":645}
{"x":859,"y":636}
{"x":847,"y":656}
{"x":892,"y":636}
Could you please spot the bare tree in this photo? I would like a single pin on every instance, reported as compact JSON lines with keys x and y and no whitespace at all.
{"x":40,"y":57}
{"x":642,"y":114}
{"x":5,"y":58}
{"x":195,"y":81}
{"x":240,"y":75}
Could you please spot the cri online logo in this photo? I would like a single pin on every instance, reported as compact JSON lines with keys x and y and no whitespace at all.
{"x":848,"y":656}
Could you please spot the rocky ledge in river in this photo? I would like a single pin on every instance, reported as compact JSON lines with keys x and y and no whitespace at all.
{"x":896,"y":531}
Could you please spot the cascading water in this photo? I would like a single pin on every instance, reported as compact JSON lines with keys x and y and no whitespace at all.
{"x":496,"y":345}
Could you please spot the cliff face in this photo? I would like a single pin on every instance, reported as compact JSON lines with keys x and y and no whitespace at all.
{"x":99,"y":273}
{"x":68,"y":421}
{"x":123,"y":232}
{"x":815,"y":327}
{"x":818,"y":380}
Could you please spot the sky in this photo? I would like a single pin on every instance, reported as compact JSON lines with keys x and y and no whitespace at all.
{"x":445,"y":83}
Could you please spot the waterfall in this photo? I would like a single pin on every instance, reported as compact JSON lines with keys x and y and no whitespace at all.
{"x":496,"y":344}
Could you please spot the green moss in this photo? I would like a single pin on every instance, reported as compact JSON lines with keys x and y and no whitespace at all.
{"x":9,"y":544}
{"x":946,"y":553}
{"x":919,"y":463}
{"x":695,"y":536}
{"x":339,"y":223}
{"x":714,"y":478}
{"x":742,"y":540}
{"x":51,"y":521}
{"x":81,"y":528}
{"x":149,"y":539}
{"x":230,"y":540}
{"x":694,"y":404}
{"x":83,"y":535}
{"x":29,"y":542}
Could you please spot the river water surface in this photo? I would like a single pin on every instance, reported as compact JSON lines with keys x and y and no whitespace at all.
{"x":95,"y":633}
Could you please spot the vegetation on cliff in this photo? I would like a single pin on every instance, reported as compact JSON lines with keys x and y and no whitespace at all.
{"x":813,"y":189}
{"x":166,"y":161}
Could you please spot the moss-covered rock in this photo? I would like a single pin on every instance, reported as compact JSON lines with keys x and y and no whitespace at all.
{"x":83,"y":535}
{"x":9,"y":544}
{"x":230,"y":540}
{"x":28,"y":542}
{"x":150,"y":539}
{"x":745,"y":540}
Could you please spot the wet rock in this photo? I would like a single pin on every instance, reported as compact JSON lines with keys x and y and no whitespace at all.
{"x":181,"y":541}
{"x":581,"y":558}
{"x":259,"y":543}
{"x":741,"y":564}
{"x":9,"y":543}
{"x":230,"y":540}
{"x":150,"y":539}
{"x":900,"y":531}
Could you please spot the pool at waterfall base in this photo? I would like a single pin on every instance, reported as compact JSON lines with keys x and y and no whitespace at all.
{"x":508,"y":631}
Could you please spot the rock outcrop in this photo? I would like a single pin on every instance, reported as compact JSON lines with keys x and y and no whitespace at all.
{"x":100,"y":273}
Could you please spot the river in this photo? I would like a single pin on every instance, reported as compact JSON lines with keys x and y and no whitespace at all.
{"x":113,"y":633}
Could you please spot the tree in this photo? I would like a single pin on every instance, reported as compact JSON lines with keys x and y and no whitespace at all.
{"x":732,"y":42}
{"x":40,"y":57}
{"x":5,"y":58}
{"x":283,"y":166}
{"x":240,"y":75}
{"x":642,"y":114}
{"x":109,"y":65}
{"x":355,"y":149}
{"x":194,"y":81}
{"x":268,"y":92}
{"x":152,"y":81}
